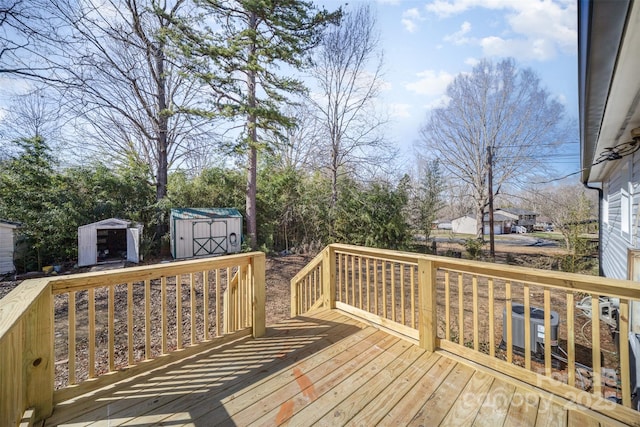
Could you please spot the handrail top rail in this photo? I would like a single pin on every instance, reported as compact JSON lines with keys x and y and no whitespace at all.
{"x":62,"y":284}
{"x":555,"y":279}
{"x":19,"y":301}
{"x":317,"y":260}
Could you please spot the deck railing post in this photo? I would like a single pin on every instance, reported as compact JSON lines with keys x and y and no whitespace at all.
{"x":427,"y":320}
{"x":39,"y":354}
{"x":329,"y":277}
{"x":258,"y":300}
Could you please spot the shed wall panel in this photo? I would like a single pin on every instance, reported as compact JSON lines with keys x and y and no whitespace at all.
{"x":7,"y":245}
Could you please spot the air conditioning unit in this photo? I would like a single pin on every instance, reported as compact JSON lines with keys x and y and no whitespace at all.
{"x":536,"y":326}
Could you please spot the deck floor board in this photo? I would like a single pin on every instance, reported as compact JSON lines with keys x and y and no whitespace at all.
{"x":325,"y":369}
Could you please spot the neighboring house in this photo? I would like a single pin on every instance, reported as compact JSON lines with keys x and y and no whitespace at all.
{"x":609,"y":90}
{"x":465,"y":225}
{"x":441,"y":224}
{"x":468,"y":225}
{"x":521,"y":217}
{"x":501,"y":223}
{"x":7,"y":245}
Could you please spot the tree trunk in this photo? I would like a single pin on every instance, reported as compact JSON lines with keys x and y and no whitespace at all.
{"x":163,"y":125}
{"x":252,"y":169}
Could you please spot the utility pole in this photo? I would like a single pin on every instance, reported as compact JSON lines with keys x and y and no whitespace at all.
{"x":492,"y":244}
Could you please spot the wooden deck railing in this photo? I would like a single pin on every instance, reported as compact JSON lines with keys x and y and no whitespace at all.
{"x":463,"y":307}
{"x":60,"y":337}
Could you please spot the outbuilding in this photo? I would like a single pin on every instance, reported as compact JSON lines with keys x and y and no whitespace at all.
{"x":199,"y":232}
{"x":108,"y":240}
{"x":7,"y":245}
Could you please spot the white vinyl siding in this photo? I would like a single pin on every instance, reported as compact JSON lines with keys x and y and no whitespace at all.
{"x":605,"y":205}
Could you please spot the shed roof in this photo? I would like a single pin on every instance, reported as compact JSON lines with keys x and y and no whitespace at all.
{"x":109,"y":223}
{"x":195,"y":213}
{"x":9,"y":224}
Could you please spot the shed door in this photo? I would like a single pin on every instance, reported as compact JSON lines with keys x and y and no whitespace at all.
{"x":209,"y":237}
{"x":133,"y":244}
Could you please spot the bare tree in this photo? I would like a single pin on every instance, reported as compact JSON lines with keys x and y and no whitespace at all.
{"x":298,"y":146}
{"x":500,"y":109}
{"x":128,"y":94}
{"x":33,"y":114}
{"x":348,"y":72}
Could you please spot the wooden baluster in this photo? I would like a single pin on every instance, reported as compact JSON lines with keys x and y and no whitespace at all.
{"x":360,"y":281}
{"x":147,"y":319}
{"x":595,"y":341}
{"x":179,"y":312}
{"x":527,"y":328}
{"x":130,"y":323}
{"x":353,"y":281}
{"x":509,"y":310}
{"x":340,"y":277}
{"x":413,"y":297}
{"x":163,"y":308}
{"x":461,"y":308}
{"x":393,"y":291}
{"x":492,"y":327}
{"x":571,"y":341}
{"x":384,"y":289}
{"x":92,"y":332}
{"x":205,"y":304}
{"x":218,"y":304}
{"x":193,"y":306}
{"x":111,"y":328}
{"x":368,"y":284}
{"x":547,"y":333}
{"x":476,"y":323}
{"x":402,"y":305}
{"x":375,"y":286}
{"x":72,"y":337}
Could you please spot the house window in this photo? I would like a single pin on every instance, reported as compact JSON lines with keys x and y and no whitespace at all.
{"x":624,"y":212}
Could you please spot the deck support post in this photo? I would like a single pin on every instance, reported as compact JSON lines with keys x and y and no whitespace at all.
{"x":259,"y":298}
{"x":427,"y":320}
{"x":329,"y":277}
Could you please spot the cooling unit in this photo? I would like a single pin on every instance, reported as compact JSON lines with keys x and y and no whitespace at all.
{"x":536,"y":326}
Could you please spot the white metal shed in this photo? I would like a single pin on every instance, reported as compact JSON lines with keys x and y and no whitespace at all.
{"x":7,"y":245}
{"x":205,"y":231}
{"x":109,"y":240}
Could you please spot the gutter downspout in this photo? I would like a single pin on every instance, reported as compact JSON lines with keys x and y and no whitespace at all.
{"x":600,"y":234}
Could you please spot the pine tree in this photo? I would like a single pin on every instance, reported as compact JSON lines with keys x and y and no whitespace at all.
{"x":238,"y":58}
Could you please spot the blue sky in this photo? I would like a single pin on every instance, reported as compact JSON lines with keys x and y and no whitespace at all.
{"x":428,"y":42}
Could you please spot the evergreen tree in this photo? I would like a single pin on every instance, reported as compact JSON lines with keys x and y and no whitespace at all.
{"x":238,"y":59}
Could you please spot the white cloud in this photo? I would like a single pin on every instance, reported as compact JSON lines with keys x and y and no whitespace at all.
{"x":400,"y":110}
{"x":430,"y":83}
{"x":536,"y":29}
{"x":410,"y":19}
{"x":391,"y":2}
{"x":471,"y":61}
{"x":459,"y":36}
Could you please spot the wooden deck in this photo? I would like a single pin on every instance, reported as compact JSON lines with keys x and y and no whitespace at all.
{"x":327,"y":369}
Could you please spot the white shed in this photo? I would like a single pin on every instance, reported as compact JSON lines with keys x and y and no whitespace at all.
{"x":205,"y":231}
{"x":465,"y":225}
{"x":7,"y":245}
{"x":109,"y":240}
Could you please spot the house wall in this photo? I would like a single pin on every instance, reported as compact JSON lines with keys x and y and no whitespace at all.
{"x":465,"y":224}
{"x":7,"y":244}
{"x":619,"y":212}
